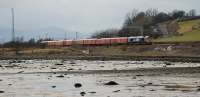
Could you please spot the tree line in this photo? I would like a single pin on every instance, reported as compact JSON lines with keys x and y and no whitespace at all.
{"x":19,"y":42}
{"x":136,"y":20}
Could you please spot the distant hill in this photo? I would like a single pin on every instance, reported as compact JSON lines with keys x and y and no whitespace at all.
{"x":189,"y":31}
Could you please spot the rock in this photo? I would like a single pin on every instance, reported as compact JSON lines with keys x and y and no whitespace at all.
{"x":111,"y":83}
{"x":168,"y":63}
{"x":142,"y":85}
{"x":53,"y":86}
{"x":92,"y":92}
{"x":137,"y":63}
{"x":1,"y":91}
{"x":198,"y":88}
{"x":77,"y":85}
{"x":59,"y":64}
{"x":165,"y":66}
{"x":82,"y":93}
{"x":53,"y":68}
{"x":70,"y":69}
{"x":116,"y":91}
{"x":72,"y":62}
{"x":65,"y":74}
{"x":20,"y":72}
{"x":1,"y":80}
{"x":134,"y":77}
{"x":150,"y":84}
{"x":139,"y":75}
{"x":152,"y":90}
{"x":60,"y":76}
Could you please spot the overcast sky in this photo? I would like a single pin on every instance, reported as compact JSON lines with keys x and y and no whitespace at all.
{"x":84,"y":16}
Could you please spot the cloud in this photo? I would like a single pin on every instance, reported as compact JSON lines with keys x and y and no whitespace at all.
{"x":80,"y":15}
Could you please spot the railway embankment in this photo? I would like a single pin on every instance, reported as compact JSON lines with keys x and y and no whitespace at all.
{"x":179,"y":52}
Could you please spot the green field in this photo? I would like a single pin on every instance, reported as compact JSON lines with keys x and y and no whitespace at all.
{"x":188,"y":34}
{"x":186,"y":37}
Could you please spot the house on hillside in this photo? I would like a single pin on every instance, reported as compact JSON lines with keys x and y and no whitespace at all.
{"x":167,"y":28}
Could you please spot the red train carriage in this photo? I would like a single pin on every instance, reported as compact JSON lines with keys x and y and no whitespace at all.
{"x":122,"y":40}
{"x":96,"y":42}
{"x":51,"y":43}
{"x":103,"y":41}
{"x":77,"y":42}
{"x":59,"y":43}
{"x":67,"y":42}
{"x":107,"y":41}
{"x":89,"y":41}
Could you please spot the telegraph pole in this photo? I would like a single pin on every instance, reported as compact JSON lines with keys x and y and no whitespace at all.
{"x":65,"y":36}
{"x":76,"y":35}
{"x":13,"y":24}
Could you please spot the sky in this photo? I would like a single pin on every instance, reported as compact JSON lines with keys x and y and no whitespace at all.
{"x":62,"y":18}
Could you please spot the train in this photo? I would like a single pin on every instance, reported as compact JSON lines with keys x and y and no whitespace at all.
{"x":98,"y":42}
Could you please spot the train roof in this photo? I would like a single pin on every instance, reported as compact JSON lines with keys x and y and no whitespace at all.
{"x":52,"y":41}
{"x":139,"y":37}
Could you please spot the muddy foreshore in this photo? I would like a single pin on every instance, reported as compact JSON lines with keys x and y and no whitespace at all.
{"x":136,"y":72}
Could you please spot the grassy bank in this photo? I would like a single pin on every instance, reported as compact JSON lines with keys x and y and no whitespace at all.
{"x":185,"y":37}
{"x":154,"y":50}
{"x":187,"y":30}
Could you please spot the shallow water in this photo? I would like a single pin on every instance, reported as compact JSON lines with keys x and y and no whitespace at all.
{"x":40,"y":85}
{"x":130,"y":84}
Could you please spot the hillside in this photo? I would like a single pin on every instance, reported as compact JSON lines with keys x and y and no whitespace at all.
{"x":189,"y":31}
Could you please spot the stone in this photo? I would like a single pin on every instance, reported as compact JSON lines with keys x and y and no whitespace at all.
{"x":59,"y":64}
{"x":53,"y":86}
{"x":1,"y":91}
{"x":77,"y":85}
{"x":82,"y":93}
{"x":112,"y":83}
{"x":60,"y":76}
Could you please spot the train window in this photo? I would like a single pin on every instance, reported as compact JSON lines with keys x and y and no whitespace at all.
{"x":131,"y":39}
{"x":142,"y":39}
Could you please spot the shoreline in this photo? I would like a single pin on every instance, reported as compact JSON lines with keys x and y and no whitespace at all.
{"x":106,"y":58}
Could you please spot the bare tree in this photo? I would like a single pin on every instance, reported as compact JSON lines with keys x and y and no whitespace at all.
{"x":130,"y":17}
{"x":151,"y":12}
{"x":192,"y":12}
{"x":106,"y":33}
{"x":178,"y":14}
